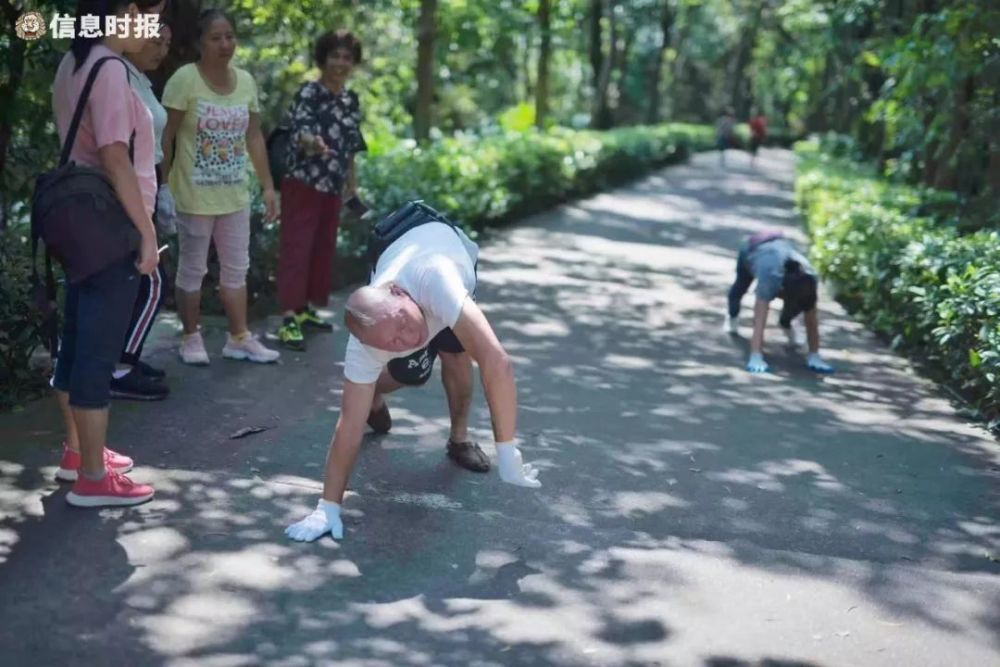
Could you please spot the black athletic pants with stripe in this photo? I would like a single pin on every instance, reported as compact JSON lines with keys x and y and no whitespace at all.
{"x":152,"y":292}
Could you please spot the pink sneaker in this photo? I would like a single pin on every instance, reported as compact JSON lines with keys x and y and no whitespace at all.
{"x":70,"y":463}
{"x":114,"y":490}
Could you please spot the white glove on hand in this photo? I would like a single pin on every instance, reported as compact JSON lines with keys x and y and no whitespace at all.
{"x":325,"y":518}
{"x":731,"y":325}
{"x":815,"y":363}
{"x":166,"y":211}
{"x":756,"y":363}
{"x":794,"y":336}
{"x":512,"y":469}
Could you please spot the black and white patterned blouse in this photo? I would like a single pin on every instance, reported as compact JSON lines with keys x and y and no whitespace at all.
{"x":336,"y":117}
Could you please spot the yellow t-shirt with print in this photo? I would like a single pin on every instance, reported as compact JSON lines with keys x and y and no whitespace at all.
{"x":209,"y":171}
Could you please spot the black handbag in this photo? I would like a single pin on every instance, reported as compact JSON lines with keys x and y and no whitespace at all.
{"x":279,"y":152}
{"x":76,"y":212}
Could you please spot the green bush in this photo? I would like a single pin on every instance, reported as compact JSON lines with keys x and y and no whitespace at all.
{"x":906,"y":268}
{"x":20,"y":322}
{"x":478,"y":181}
{"x":483,"y":181}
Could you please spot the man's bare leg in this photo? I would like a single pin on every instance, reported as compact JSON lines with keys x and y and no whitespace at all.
{"x":456,"y":375}
{"x":814,"y":362}
{"x":385,"y":385}
{"x":812,"y":330}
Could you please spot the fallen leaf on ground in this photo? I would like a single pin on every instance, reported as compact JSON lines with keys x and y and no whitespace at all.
{"x":247,"y":430}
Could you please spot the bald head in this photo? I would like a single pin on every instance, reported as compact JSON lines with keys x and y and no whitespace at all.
{"x":365,"y":308}
{"x":385,"y":317}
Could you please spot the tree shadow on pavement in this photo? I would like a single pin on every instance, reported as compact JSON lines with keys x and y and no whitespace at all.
{"x":667,"y":469}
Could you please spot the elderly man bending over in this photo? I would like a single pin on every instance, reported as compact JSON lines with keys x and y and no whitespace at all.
{"x":417,"y":306}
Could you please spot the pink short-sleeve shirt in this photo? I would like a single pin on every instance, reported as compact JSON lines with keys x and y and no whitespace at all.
{"x":113,"y":110}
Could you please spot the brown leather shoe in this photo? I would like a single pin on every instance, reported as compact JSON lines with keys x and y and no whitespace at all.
{"x":468,"y":455}
{"x":380,"y":420}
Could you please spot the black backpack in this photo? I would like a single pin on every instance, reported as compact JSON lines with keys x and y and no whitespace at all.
{"x":403,"y":219}
{"x":75,"y":210}
{"x":279,"y":152}
{"x":76,"y":213}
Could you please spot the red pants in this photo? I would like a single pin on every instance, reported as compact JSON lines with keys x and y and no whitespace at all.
{"x":309,"y":221}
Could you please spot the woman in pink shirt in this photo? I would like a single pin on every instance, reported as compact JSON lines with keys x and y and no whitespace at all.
{"x":116,"y":136}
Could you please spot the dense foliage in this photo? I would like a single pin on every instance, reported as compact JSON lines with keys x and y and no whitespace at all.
{"x":895,"y":256}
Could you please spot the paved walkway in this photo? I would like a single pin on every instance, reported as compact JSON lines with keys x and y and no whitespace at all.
{"x":691,"y":514}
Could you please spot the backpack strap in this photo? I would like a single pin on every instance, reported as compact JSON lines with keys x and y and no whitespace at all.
{"x":45,"y":301}
{"x":81,"y":105}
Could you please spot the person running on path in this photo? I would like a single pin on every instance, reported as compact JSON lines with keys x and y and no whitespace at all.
{"x":725,"y":134}
{"x":782,"y":272}
{"x":758,"y":133}
{"x":417,"y":306}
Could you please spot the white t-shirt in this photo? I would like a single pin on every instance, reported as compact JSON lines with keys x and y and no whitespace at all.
{"x":436,"y":267}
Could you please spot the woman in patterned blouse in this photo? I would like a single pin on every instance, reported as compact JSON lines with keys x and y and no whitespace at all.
{"x":325,"y":122}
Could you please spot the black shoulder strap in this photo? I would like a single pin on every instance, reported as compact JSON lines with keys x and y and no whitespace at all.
{"x":81,"y":105}
{"x":45,"y":301}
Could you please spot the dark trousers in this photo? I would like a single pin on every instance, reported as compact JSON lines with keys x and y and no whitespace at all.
{"x":308,"y":244}
{"x":152,"y":293}
{"x":96,"y":315}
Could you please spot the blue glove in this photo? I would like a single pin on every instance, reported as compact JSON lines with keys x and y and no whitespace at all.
{"x":816,"y":364}
{"x":756,"y":363}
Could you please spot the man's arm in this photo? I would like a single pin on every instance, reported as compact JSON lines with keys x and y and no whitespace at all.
{"x":356,"y":401}
{"x":495,"y":368}
{"x":355,"y":404}
{"x":760,"y":309}
{"x":497,"y":375}
{"x":756,"y":363}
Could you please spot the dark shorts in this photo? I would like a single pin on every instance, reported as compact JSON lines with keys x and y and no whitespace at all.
{"x":415,"y":369}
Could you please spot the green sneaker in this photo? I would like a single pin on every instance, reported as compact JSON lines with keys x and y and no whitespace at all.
{"x":290,"y":335}
{"x":311,"y":319}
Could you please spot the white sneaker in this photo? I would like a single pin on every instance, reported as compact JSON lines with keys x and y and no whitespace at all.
{"x":731,"y":325}
{"x":193,"y":350}
{"x":250,"y":349}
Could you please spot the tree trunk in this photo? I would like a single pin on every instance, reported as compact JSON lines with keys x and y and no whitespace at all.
{"x":739,"y":86}
{"x":947,"y":173}
{"x":595,"y":45}
{"x":426,"y":31}
{"x":8,"y":91}
{"x":656,"y":67}
{"x":544,"y":55}
{"x":616,"y":87}
{"x":601,"y":113}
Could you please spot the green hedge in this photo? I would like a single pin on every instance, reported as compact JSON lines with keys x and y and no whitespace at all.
{"x":482,"y":182}
{"x":20,"y":321}
{"x":478,"y":181}
{"x":901,"y":264}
